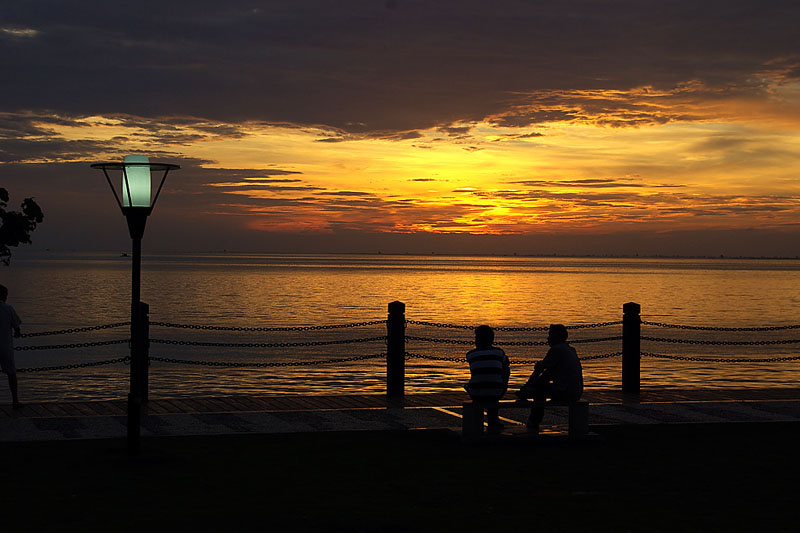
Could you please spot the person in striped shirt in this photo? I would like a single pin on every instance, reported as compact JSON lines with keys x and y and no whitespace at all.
{"x":489,"y":371}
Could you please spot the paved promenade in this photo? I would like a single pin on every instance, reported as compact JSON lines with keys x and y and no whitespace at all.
{"x":301,"y":414}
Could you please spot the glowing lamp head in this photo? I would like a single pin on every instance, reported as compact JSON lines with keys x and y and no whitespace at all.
{"x":136,"y":181}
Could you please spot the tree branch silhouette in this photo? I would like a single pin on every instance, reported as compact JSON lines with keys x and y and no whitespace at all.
{"x":15,"y":226}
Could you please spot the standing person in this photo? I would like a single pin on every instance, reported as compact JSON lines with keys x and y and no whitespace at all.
{"x":489,"y":371}
{"x":559,"y":376}
{"x":9,"y":321}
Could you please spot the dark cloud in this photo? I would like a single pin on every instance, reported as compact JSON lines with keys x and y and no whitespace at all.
{"x":345,"y":193}
{"x":258,"y":187}
{"x":589,"y":183}
{"x":613,"y":206}
{"x":15,"y":126}
{"x":630,"y":107}
{"x":383,"y":135}
{"x":275,"y":180}
{"x":28,"y":136}
{"x":180,"y":131}
{"x":50,"y":149}
{"x":514,"y":136}
{"x":402,"y":136}
{"x":455,"y":131}
{"x":520,"y":118}
{"x":721,"y":143}
{"x":360,"y":67}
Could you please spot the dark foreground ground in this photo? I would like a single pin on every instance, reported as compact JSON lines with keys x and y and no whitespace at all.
{"x":643,"y":478}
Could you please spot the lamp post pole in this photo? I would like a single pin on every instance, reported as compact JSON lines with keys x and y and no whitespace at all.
{"x":137,"y":218}
{"x":134,"y":200}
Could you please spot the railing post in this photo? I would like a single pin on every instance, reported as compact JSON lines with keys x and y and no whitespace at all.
{"x":144,"y":369}
{"x":631,"y":347}
{"x":396,"y":349}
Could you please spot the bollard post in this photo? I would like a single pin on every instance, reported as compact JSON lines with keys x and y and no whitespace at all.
{"x":631,"y":347}
{"x":144,"y":368}
{"x":396,"y":349}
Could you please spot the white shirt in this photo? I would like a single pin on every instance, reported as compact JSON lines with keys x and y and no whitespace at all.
{"x":8,"y":321}
{"x":564,"y":369}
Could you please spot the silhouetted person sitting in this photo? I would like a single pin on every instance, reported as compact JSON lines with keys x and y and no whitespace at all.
{"x":489,"y":371}
{"x":9,"y":321}
{"x":559,"y":376}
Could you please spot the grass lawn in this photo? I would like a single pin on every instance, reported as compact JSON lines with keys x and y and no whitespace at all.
{"x":646,"y":478}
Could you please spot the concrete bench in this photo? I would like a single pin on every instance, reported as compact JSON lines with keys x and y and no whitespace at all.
{"x":473,"y":411}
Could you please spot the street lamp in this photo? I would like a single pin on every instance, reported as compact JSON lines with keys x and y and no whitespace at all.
{"x":134,"y":200}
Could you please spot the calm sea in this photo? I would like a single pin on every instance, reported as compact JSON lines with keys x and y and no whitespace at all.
{"x":62,"y":291}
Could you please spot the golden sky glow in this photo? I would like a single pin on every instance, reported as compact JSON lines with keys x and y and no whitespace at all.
{"x":731,"y":164}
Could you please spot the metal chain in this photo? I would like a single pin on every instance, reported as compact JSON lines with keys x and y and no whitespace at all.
{"x":600,"y":356}
{"x":599,"y":339}
{"x":286,"y":328}
{"x":458,"y":326}
{"x":267,"y":365}
{"x":76,"y":330}
{"x":439,"y":341}
{"x":712,"y":328}
{"x":508,"y":328}
{"x":595,"y":325}
{"x":461,"y":359}
{"x":723,"y":359}
{"x":68,"y":346}
{"x":77,"y":365}
{"x":720,"y":343}
{"x":514,"y":361}
{"x":508,"y":343}
{"x":266,"y":344}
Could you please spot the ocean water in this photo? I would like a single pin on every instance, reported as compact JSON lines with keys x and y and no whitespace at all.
{"x":57,"y":291}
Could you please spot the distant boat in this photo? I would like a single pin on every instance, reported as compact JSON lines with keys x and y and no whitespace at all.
{"x":124,"y":255}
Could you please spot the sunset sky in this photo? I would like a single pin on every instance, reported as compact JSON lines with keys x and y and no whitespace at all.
{"x":527,"y":127}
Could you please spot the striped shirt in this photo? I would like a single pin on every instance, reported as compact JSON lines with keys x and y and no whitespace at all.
{"x":489,"y":370}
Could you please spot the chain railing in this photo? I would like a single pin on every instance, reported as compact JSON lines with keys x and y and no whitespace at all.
{"x":506,"y":343}
{"x":722,"y":359}
{"x":721,"y":343}
{"x":514,"y":361}
{"x":267,"y":329}
{"x":70,"y":346}
{"x":271,"y":364}
{"x":179,"y":342}
{"x":76,"y":330}
{"x":509,"y":328}
{"x":718,"y":328}
{"x":409,"y":355}
{"x":267,"y":344}
{"x":600,"y":356}
{"x":705,"y":342}
{"x":90,"y":364}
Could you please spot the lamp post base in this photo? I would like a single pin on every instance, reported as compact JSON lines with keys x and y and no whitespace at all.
{"x":134,"y":421}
